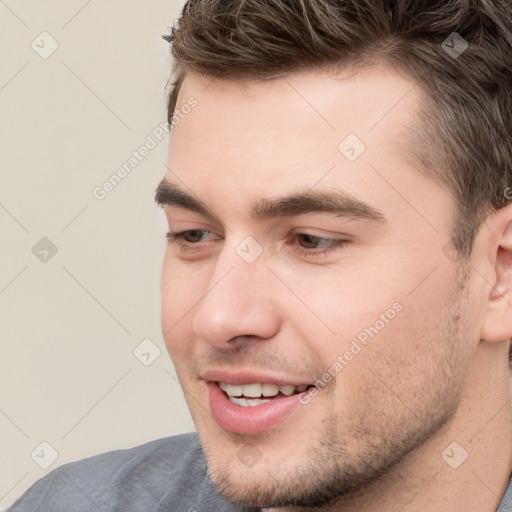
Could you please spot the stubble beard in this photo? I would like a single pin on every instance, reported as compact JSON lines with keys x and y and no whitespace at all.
{"x":331,"y":471}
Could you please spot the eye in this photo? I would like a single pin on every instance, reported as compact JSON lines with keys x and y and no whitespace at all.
{"x":311,"y":245}
{"x":313,"y":242}
{"x":303,"y":243}
{"x":191,"y":236}
{"x":193,"y":244}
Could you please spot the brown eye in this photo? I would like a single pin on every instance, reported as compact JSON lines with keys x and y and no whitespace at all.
{"x":194,"y":236}
{"x":310,"y":241}
{"x":191,"y":236}
{"x":316,"y":246}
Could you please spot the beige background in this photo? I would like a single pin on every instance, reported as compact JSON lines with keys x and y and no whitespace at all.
{"x":69,"y":325}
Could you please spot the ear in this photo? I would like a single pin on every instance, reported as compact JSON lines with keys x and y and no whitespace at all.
{"x":497,"y":325}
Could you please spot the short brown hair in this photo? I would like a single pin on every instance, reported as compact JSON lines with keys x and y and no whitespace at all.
{"x":463,"y":136}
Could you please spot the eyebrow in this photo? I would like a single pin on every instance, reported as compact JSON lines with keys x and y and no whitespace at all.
{"x":339,"y":203}
{"x":169,"y":194}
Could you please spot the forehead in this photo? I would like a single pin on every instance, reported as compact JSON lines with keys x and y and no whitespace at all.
{"x":303,"y":114}
{"x":246,"y":139}
{"x":322,"y":104}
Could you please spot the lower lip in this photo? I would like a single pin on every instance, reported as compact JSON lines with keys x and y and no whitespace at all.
{"x":250,"y":420}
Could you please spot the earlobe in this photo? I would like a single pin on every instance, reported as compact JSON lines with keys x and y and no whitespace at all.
{"x":497,"y":291}
{"x":498,"y":316}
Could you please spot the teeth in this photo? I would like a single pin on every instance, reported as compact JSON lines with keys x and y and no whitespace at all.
{"x":258,"y":390}
{"x":269,"y":389}
{"x":251,"y":390}
{"x":287,"y":390}
{"x":231,"y":389}
{"x":247,"y":402}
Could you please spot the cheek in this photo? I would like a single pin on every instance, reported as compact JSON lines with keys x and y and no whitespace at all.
{"x":370,"y":315}
{"x":181,"y":288}
{"x":340,"y":304}
{"x":180,"y":291}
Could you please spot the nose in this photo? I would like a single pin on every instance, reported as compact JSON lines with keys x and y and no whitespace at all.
{"x":239,"y":302}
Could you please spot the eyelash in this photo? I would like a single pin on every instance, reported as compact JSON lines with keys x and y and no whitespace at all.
{"x":334,"y":244}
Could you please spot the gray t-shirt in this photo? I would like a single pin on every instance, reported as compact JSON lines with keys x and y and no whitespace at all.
{"x":165,"y":475}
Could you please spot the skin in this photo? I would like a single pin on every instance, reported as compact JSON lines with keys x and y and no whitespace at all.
{"x":437,"y":373}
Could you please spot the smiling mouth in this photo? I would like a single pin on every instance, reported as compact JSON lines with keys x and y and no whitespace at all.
{"x":251,"y":395}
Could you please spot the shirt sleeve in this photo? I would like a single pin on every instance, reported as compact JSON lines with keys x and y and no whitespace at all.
{"x":55,"y":492}
{"x":506,"y":502}
{"x":166,"y":475}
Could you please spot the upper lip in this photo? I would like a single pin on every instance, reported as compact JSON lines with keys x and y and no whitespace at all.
{"x":251,"y":377}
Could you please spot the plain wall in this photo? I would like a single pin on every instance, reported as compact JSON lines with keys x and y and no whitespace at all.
{"x":70,"y":321}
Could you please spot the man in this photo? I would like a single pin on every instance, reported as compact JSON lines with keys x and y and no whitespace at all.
{"x":337,"y":285}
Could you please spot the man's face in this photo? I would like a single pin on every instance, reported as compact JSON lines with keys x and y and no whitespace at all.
{"x":314,"y":270}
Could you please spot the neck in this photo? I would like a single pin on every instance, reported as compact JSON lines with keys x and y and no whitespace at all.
{"x":465,"y":466}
